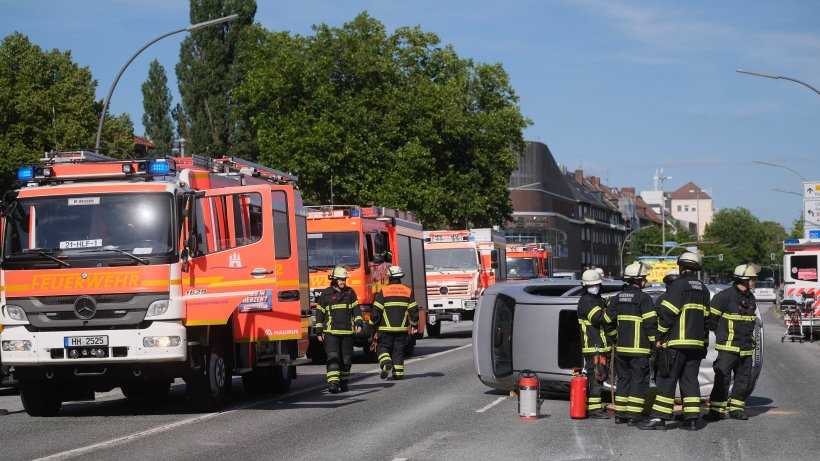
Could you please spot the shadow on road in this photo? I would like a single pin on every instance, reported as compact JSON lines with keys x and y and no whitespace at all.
{"x":431,"y":374}
{"x":453,"y":334}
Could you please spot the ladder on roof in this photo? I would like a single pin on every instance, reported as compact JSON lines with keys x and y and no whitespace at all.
{"x":75,"y":157}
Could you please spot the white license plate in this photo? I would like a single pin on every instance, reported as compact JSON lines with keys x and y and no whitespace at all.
{"x":432,"y":319}
{"x":85,"y":341}
{"x":456,"y":318}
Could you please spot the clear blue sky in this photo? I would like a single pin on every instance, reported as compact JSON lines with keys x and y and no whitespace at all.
{"x":618,"y":88}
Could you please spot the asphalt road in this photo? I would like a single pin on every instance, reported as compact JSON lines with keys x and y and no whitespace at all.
{"x":440,"y":411}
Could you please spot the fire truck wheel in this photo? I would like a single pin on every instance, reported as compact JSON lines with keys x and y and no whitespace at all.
{"x":146,"y":392}
{"x":434,"y":329}
{"x":40,"y":399}
{"x":281,"y":379}
{"x":210,"y":389}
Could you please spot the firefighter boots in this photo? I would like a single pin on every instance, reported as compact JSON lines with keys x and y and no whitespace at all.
{"x":656,"y":424}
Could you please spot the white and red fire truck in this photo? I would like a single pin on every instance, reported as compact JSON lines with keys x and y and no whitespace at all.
{"x":801,"y":285}
{"x":131,"y":273}
{"x":460,"y":265}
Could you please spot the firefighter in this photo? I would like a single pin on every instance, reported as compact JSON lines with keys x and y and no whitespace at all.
{"x":733,"y":320}
{"x":682,"y":318}
{"x":337,"y":314}
{"x":596,"y":325}
{"x":396,"y":316}
{"x":634,"y":314}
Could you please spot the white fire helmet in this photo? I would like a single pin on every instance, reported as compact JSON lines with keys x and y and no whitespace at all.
{"x":690,"y":260}
{"x":591,"y":277}
{"x":395,"y":272}
{"x":746,"y":271}
{"x":339,"y":273}
{"x":636,"y":270}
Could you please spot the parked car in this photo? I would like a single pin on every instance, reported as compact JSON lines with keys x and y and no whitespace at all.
{"x":527,"y":326}
{"x":765,"y":291}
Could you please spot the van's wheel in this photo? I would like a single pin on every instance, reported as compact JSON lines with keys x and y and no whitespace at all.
{"x":410,"y":347}
{"x":40,"y":398}
{"x":434,"y":329}
{"x":209,"y":388}
{"x":146,"y":392}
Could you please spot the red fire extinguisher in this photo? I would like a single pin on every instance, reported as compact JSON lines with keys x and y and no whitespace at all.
{"x":529,"y":392}
{"x":578,"y":395}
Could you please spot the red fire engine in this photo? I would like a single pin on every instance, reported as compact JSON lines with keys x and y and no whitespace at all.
{"x":366,"y":241}
{"x":528,"y":261}
{"x":130,"y":273}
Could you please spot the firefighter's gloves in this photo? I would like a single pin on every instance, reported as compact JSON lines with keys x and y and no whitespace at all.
{"x":358,"y":326}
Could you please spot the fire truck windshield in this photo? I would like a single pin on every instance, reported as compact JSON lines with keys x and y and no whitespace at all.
{"x":329,"y":249}
{"x":89,"y":226}
{"x":451,"y":259}
{"x":521,"y":268}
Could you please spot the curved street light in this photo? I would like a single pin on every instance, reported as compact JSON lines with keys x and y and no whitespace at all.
{"x":778,"y":77}
{"x":778,"y":165}
{"x":191,"y":28}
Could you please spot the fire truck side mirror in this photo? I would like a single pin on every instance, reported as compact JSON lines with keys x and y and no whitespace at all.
{"x":494,"y":259}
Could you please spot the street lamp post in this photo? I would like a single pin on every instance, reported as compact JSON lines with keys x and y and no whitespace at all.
{"x":784,"y":167}
{"x":778,"y":77}
{"x":190,"y":28}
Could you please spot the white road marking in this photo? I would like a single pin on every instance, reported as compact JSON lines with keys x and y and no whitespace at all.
{"x":494,"y":403}
{"x":68,"y":454}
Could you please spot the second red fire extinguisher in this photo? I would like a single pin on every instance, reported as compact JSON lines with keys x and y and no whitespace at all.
{"x":578,"y":395}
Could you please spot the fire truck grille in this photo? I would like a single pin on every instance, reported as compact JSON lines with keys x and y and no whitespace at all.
{"x":110,"y":311}
{"x":455,"y":289}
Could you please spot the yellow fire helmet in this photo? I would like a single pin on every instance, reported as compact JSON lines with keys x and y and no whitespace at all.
{"x":339,"y":273}
{"x":636,"y":270}
{"x":746,"y":271}
{"x":591,"y":277}
{"x":395,"y":272}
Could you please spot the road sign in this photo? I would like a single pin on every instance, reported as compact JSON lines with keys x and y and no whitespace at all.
{"x":811,"y":190}
{"x":814,"y":234}
{"x":670,"y":244}
{"x":811,"y":213}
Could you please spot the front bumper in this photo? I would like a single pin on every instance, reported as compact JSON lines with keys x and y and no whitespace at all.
{"x":445,"y":304}
{"x":128,"y":341}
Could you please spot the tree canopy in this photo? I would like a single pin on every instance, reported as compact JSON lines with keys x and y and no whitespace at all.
{"x":47,"y":102}
{"x":208,"y":75}
{"x":156,"y":103}
{"x":741,"y":238}
{"x":392,"y":119}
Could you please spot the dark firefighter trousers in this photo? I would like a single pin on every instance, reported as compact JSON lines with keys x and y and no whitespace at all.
{"x":595,"y":387}
{"x":726,"y":365}
{"x":683,"y":369}
{"x":391,"y":352}
{"x":339,"y":350}
{"x":633,"y":384}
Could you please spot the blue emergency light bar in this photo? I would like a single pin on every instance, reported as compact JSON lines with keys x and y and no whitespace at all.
{"x":355,"y":213}
{"x":25,"y":173}
{"x":159,"y":167}
{"x":791,"y":241}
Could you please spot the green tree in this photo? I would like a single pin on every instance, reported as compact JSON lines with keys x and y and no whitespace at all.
{"x":797,"y":229}
{"x":741,"y":237}
{"x":46,"y":102}
{"x":391,"y":119}
{"x":208,"y":75}
{"x":118,"y":136}
{"x":156,"y":103}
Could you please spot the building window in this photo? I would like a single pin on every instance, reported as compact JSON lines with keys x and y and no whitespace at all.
{"x":680,"y":208}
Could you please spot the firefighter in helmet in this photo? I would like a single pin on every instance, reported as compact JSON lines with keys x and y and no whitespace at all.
{"x":396,"y":316}
{"x":734,"y":316}
{"x":596,"y":325}
{"x":634,"y":314}
{"x":337,"y":315}
{"x":682,"y":332}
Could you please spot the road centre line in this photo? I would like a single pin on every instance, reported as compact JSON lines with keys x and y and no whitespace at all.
{"x":73,"y":453}
{"x":490,"y":405}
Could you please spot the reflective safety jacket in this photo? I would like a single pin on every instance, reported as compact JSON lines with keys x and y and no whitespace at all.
{"x":733,"y":321}
{"x":337,"y":310}
{"x":637,"y":322}
{"x":683,"y":313}
{"x":595,"y":323}
{"x":395,"y":308}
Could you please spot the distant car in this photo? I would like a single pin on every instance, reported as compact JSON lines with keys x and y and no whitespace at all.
{"x":765,"y":291}
{"x":528,"y":326}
